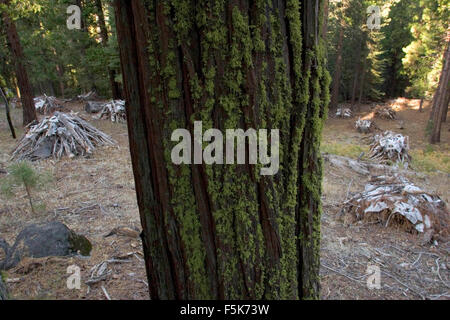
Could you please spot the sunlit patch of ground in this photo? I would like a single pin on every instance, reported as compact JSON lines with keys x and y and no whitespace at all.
{"x":341,"y":137}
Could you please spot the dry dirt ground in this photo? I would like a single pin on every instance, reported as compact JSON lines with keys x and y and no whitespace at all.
{"x":96,"y":194}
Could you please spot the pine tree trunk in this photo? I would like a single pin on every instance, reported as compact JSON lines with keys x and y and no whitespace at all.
{"x":361,"y":85}
{"x":29,"y":110}
{"x":356,"y":75}
{"x":84,"y":24}
{"x":60,"y":72}
{"x":440,"y":98}
{"x":115,"y":89}
{"x":224,"y":231}
{"x":325,"y":19}
{"x":446,"y":103}
{"x":337,"y":72}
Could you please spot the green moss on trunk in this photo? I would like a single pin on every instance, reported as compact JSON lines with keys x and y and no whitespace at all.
{"x":227,"y":232}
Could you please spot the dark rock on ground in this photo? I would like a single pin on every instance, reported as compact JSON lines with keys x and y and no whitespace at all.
{"x":43,"y":240}
{"x":93,"y":107}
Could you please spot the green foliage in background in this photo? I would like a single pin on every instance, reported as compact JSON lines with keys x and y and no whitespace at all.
{"x":60,"y":61}
{"x":403,"y":58}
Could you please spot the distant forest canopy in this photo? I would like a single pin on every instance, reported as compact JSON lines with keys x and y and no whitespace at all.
{"x":60,"y":61}
{"x":402,"y":58}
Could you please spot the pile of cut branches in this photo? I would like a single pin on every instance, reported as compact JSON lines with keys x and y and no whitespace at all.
{"x":390,"y":147}
{"x":385,"y":112}
{"x":344,"y":113}
{"x":91,"y":95}
{"x":114,"y":110}
{"x":393,"y":200}
{"x":59,"y":135}
{"x":47,"y":104}
{"x":365,"y":126}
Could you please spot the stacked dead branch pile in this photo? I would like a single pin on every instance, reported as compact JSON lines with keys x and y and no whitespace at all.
{"x":114,"y":110}
{"x":59,"y":135}
{"x":385,"y":112}
{"x":343,"y":113}
{"x":47,"y":104}
{"x":91,"y":95}
{"x":365,"y":126}
{"x":393,"y":200}
{"x":390,"y":147}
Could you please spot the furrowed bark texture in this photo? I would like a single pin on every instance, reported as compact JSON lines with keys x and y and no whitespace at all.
{"x":225,"y":231}
{"x":26,"y":95}
{"x":440,"y":101}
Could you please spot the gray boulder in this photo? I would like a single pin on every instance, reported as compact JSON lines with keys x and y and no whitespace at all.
{"x":93,"y":107}
{"x":44,"y":240}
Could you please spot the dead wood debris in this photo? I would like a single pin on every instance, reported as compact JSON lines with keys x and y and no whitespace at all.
{"x":390,"y":147}
{"x":100,"y":272}
{"x":365,"y":126}
{"x":59,"y":135}
{"x":123,"y":231}
{"x":393,"y":200}
{"x":344,"y":113}
{"x":114,"y":110}
{"x":47,"y":104}
{"x":385,"y":112}
{"x":91,"y":95}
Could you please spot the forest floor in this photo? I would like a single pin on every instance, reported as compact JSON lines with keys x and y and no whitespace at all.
{"x":96,"y":194}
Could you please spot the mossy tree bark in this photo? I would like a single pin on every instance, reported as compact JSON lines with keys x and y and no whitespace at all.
{"x":224,"y":231}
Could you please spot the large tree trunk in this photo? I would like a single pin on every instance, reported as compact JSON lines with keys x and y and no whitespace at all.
{"x":115,"y":89}
{"x":224,"y":231}
{"x":446,"y":103}
{"x":26,"y":95}
{"x":337,"y":72}
{"x":440,"y":101}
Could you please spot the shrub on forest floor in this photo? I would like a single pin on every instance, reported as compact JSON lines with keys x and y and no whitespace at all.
{"x":22,"y":174}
